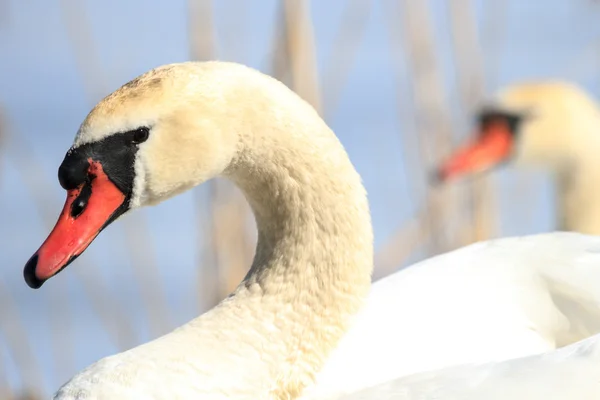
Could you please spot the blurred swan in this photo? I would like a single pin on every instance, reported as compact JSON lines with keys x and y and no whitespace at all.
{"x":552,"y":124}
{"x":305,"y":322}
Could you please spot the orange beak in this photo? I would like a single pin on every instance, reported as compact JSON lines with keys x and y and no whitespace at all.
{"x":89,"y":208}
{"x":492,"y":147}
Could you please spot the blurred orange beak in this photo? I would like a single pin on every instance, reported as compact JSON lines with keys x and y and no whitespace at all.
{"x":492,"y":147}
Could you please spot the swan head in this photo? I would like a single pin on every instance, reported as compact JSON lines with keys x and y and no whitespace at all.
{"x":157,"y":136}
{"x":527,"y":124}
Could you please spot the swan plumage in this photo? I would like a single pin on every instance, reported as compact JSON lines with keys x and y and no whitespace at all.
{"x":305,"y":321}
{"x":570,"y":372}
{"x":487,"y":302}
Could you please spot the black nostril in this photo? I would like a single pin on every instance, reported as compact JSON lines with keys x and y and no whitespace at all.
{"x":78,"y":207}
{"x":29,"y":273}
{"x":81,"y":202}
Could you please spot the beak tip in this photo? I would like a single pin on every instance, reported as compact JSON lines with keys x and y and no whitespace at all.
{"x":29,"y":273}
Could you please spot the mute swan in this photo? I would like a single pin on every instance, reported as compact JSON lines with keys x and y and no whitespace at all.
{"x":298,"y":320}
{"x":550,"y":124}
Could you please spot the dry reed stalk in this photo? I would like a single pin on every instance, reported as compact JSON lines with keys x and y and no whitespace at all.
{"x":230,"y":212}
{"x":6,"y":393}
{"x":344,"y":49}
{"x":201,"y":30}
{"x":59,"y":330}
{"x":78,"y":32}
{"x":403,"y":243}
{"x":227,"y":206}
{"x":230,"y":241}
{"x":229,"y":247}
{"x":202,"y":48}
{"x":469,"y":68}
{"x":5,"y":389}
{"x":32,"y":175}
{"x":430,"y":111}
{"x":295,"y":51}
{"x":387,"y":260}
{"x":146,"y":269}
{"x":493,"y":26}
{"x":432,"y":115}
{"x":15,"y":333}
{"x":27,"y":395}
{"x":138,"y":240}
{"x":2,"y":129}
{"x":407,"y":240}
{"x":17,"y":340}
{"x":279,"y":61}
{"x":226,"y":256}
{"x":249,"y":236}
{"x":208,"y":256}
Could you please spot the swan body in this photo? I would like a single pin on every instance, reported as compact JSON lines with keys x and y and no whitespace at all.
{"x":541,"y":293}
{"x":567,"y":373}
{"x":518,"y":296}
{"x":305,"y":322}
{"x":552,"y":125}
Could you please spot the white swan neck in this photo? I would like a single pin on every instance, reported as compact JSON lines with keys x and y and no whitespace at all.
{"x":579,"y":197}
{"x":313,"y":263}
{"x":578,"y":177}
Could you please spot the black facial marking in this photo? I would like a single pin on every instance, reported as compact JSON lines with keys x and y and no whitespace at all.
{"x":116,"y":154}
{"x":513,"y":119}
{"x":73,"y":170}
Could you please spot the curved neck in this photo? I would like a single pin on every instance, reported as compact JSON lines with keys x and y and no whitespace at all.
{"x":579,"y":196}
{"x":314,"y":254}
{"x":578,"y":177}
{"x":310,"y":275}
{"x":565,"y":139}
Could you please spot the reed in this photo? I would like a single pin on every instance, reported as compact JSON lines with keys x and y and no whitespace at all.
{"x":344,"y":51}
{"x":428,"y":134}
{"x":15,"y":152}
{"x":294,"y":55}
{"x":203,"y":47}
{"x":13,"y":330}
{"x":471,"y":82}
{"x":141,"y":254}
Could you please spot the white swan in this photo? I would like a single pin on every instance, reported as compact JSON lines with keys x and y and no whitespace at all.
{"x":279,"y":332}
{"x":494,"y":300}
{"x":567,"y":373}
{"x":551,"y":124}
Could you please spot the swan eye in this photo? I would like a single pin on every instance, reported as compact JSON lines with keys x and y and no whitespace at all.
{"x":140,"y":135}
